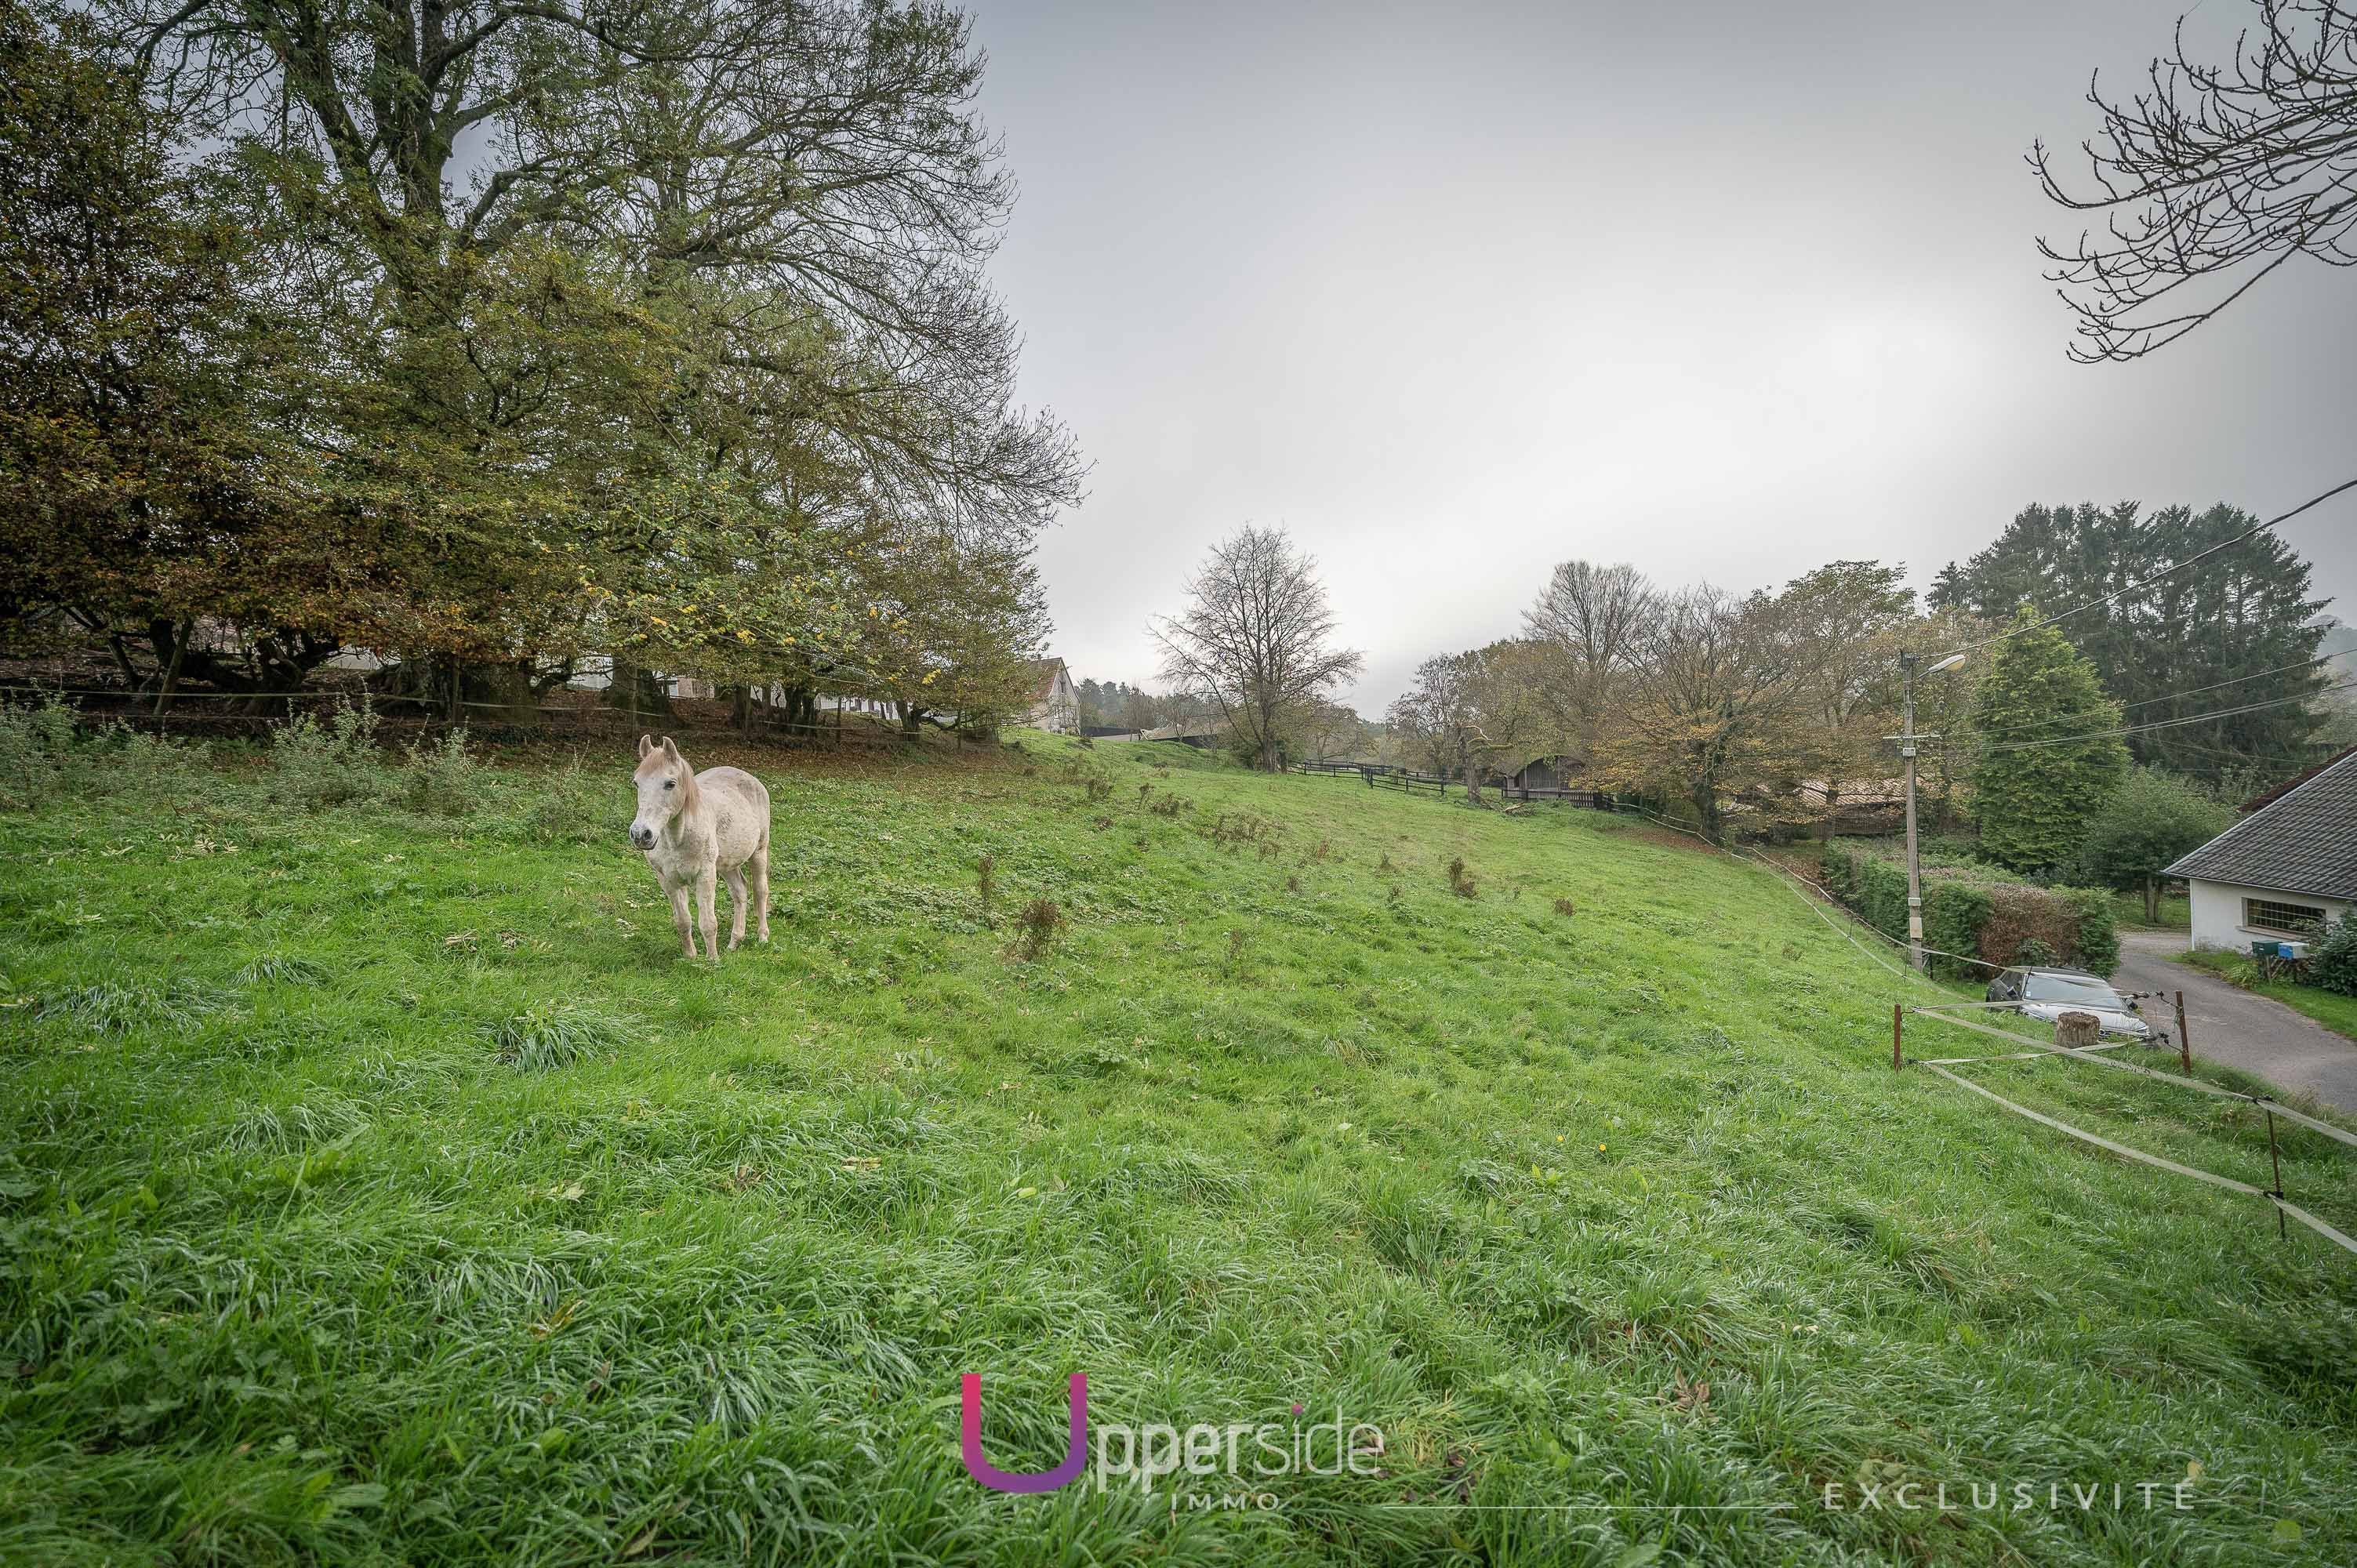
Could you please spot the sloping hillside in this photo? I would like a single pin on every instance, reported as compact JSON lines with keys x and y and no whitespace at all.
{"x":378,"y":1184}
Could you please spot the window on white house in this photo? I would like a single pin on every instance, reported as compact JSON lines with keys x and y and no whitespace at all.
{"x":2292,"y":920}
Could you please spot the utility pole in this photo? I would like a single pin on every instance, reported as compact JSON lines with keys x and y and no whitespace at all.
{"x":1914,"y":865}
{"x":1906,"y":738}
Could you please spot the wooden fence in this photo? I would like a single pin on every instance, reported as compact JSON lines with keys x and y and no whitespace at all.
{"x":1410,"y":781}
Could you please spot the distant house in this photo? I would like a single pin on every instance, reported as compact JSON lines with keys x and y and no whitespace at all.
{"x":1549,"y":772}
{"x":1054,"y":705}
{"x":2286,"y":870}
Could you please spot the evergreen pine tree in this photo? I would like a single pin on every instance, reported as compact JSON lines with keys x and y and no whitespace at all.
{"x":2046,"y":768}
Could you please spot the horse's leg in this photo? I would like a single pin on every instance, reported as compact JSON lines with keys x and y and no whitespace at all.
{"x":736,"y":875}
{"x":680,"y":919}
{"x":760,"y":883}
{"x":705,"y":878}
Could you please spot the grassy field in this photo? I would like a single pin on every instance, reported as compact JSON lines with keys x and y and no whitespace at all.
{"x":2176,"y":912}
{"x":2334,"y":1012}
{"x":379,"y":1185}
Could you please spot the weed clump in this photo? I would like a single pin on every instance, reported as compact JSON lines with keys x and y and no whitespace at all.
{"x":1387,"y":867}
{"x":558,"y":1034}
{"x":985,"y":883}
{"x":1041,"y":922}
{"x":1166,"y":806}
{"x":1293,"y":885}
{"x":114,"y":1007}
{"x":1460,"y":881}
{"x":445,"y":777}
{"x":281,"y":969}
{"x":331,"y":763}
{"x":1565,"y":908}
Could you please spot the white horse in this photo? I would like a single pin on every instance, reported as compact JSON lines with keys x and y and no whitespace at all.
{"x":697,"y":827}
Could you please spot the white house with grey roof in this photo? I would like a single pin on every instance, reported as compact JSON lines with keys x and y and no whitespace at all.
{"x":2283,"y":873}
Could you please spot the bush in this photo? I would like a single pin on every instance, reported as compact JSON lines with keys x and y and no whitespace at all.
{"x":2333,"y":964}
{"x":1954,"y":913}
{"x":1883,"y":895}
{"x":2094,"y":937}
{"x":1981,"y":912}
{"x":444,"y":777}
{"x":2149,"y":823}
{"x":37,"y":744}
{"x":1041,"y":922}
{"x":327,"y":764}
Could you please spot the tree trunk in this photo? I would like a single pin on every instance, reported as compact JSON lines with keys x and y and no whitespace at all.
{"x":2152,"y":900}
{"x":634,"y":690}
{"x":172,"y":672}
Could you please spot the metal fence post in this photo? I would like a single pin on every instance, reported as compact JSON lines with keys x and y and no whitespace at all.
{"x":1897,"y":1016}
{"x":2184,"y":1046}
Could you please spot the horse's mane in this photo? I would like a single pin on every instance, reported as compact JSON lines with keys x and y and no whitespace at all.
{"x":690,"y":795}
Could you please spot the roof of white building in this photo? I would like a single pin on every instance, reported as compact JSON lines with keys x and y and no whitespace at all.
{"x":2304,"y":842}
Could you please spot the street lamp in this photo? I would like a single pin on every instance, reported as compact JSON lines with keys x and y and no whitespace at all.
{"x":1907,"y":738}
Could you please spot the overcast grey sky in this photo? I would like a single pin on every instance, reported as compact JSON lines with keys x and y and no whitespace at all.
{"x":1726,"y":290}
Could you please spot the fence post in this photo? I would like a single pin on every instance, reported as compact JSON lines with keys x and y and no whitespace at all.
{"x":2184,"y":1046}
{"x":2277,"y":1161}
{"x":1897,"y":1015}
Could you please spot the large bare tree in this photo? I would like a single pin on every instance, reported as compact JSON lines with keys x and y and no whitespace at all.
{"x":1587,"y":623}
{"x":2209,"y":177}
{"x":1257,"y":641}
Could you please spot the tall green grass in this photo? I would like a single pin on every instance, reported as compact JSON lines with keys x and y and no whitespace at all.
{"x":376,"y":1184}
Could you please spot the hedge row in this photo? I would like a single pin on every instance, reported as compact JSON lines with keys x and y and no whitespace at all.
{"x":1979,"y":911}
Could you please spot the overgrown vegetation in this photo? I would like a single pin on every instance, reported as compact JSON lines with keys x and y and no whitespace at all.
{"x":1627,"y":1222}
{"x":1974,"y":909}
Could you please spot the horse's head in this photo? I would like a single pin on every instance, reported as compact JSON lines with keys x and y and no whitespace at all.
{"x":665,"y":784}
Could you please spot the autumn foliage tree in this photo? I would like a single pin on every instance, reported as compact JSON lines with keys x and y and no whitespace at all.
{"x":655,"y":331}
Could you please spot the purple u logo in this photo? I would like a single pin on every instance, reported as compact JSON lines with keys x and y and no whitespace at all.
{"x":981,"y":1469}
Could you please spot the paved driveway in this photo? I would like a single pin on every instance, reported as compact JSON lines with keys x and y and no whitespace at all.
{"x":2235,"y":1026}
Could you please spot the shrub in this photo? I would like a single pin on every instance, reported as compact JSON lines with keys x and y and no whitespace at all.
{"x":1041,"y":921}
{"x":1883,"y":895}
{"x":444,"y":777}
{"x":1955,"y":912}
{"x":1837,"y":869}
{"x":37,"y":744}
{"x":1983,"y":912}
{"x":2150,"y":821}
{"x":2025,"y":923}
{"x":2094,"y":936}
{"x":2333,"y":964}
{"x":327,"y":764}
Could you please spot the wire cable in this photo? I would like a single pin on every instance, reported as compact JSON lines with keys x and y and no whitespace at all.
{"x":2165,"y":696}
{"x":2161,"y":724}
{"x":2170,"y":570}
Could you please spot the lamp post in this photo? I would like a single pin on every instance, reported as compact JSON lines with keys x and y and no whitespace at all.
{"x":1906,"y":739}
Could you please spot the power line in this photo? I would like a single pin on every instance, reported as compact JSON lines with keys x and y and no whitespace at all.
{"x":2166,"y":696}
{"x":2162,"y":724}
{"x":2157,"y":576}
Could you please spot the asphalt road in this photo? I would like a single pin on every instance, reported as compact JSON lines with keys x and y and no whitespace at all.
{"x":2234,"y":1026}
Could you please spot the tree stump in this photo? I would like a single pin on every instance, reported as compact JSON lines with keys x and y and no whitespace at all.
{"x":2077,"y":1031}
